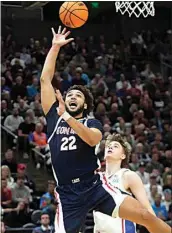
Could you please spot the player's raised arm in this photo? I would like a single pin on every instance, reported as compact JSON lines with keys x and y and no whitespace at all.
{"x":47,"y":90}
{"x":136,"y":186}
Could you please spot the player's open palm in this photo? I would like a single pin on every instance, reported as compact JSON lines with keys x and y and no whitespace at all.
{"x":60,"y":38}
{"x":61,"y":108}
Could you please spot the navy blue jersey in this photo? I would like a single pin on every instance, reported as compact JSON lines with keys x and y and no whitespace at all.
{"x":71,"y":156}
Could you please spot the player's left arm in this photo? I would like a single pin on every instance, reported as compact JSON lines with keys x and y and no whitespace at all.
{"x":135,"y":184}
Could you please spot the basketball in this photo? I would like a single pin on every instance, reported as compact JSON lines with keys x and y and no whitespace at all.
{"x":73,"y":14}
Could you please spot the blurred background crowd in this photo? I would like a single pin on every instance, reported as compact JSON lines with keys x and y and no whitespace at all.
{"x":132,"y":97}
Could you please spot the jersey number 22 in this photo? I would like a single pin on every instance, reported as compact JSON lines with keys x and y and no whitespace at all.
{"x":68,"y":143}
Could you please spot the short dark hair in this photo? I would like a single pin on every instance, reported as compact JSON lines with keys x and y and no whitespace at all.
{"x":89,"y":100}
{"x":44,"y":213}
{"x":125,"y":145}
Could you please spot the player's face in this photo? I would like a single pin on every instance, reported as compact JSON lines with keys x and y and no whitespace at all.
{"x":114,"y":151}
{"x":75,"y":102}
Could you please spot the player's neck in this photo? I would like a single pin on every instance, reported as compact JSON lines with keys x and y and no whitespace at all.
{"x":80,"y":116}
{"x":112,"y":167}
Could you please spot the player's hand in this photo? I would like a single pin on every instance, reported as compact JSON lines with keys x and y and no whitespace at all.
{"x":60,"y":38}
{"x":61,"y":108}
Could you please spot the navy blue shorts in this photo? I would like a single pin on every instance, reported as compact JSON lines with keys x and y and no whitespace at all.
{"x":76,"y":200}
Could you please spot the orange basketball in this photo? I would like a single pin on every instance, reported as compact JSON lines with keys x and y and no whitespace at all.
{"x":73,"y":14}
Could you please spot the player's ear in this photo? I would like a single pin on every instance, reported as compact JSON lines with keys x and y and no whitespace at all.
{"x":123,"y":156}
{"x":85,"y":106}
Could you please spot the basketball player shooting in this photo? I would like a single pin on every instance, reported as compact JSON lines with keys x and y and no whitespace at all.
{"x":72,"y":138}
{"x":117,"y":156}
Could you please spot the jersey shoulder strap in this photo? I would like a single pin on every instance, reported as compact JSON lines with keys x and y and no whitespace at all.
{"x":121,"y":172}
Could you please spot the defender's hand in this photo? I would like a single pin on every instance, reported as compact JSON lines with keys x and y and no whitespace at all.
{"x":60,"y":38}
{"x":61,"y":108}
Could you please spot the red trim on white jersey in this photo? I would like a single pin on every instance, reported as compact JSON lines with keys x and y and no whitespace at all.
{"x":123,"y":222}
{"x":108,"y":185}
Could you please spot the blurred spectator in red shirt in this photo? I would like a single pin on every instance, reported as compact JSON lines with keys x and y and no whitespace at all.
{"x":6,"y":194}
{"x":38,"y":139}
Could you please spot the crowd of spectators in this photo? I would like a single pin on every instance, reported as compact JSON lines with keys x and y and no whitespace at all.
{"x":18,"y":190}
{"x":130,"y":98}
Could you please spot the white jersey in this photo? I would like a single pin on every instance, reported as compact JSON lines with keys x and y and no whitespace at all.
{"x":116,"y":180}
{"x":114,"y":225}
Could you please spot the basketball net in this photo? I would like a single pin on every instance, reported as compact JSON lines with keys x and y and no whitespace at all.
{"x":136,"y":8}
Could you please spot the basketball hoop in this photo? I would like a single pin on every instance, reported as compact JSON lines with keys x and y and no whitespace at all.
{"x":136,"y":8}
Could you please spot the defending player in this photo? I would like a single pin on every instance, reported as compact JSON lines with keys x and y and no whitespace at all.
{"x":124,"y":179}
{"x":72,"y":139}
